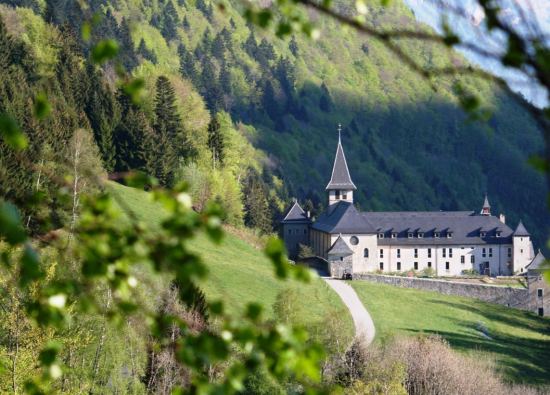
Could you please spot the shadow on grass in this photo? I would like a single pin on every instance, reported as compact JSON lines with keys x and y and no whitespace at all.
{"x":521,"y":359}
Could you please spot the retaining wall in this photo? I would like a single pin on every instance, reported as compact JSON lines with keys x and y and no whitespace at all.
{"x":507,"y":296}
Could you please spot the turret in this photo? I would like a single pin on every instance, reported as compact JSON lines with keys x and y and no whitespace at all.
{"x":295,"y":229}
{"x":340,"y":186}
{"x":523,"y":248}
{"x":486,"y":210}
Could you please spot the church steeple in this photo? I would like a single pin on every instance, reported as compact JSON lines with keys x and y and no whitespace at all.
{"x":340,"y":186}
{"x":486,"y":210}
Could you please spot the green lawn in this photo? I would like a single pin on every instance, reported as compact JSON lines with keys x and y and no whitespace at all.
{"x":518,"y":340}
{"x":240,"y":273}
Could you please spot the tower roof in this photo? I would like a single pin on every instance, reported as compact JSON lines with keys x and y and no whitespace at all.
{"x":520,"y":230}
{"x":486,"y":202}
{"x":340,"y":248}
{"x":296,"y":214}
{"x":340,"y":178}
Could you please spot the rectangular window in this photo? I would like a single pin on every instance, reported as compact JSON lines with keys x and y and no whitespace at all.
{"x":420,"y":235}
{"x":436,"y":235}
{"x":462,"y":259}
{"x":416,"y":252}
{"x":381,"y":265}
{"x":381,"y":253}
{"x":521,"y":251}
{"x":444,"y":253}
{"x":398,"y":265}
{"x":540,"y":292}
{"x":393,"y":235}
{"x":410,"y":235}
{"x":484,"y":253}
{"x":344,"y":196}
{"x":399,"y":252}
{"x":509,"y":252}
{"x":490,"y":252}
{"x":450,"y":252}
{"x":472,"y":259}
{"x":541,"y":311}
{"x":337,"y":193}
{"x":290,"y":231}
{"x":429,"y":264}
{"x":429,"y":252}
{"x":416,"y":266}
{"x":447,"y":266}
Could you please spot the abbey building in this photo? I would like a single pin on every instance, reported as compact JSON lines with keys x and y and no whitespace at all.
{"x":449,"y":242}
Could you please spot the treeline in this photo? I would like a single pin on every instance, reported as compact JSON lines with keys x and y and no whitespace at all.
{"x":163,"y":136}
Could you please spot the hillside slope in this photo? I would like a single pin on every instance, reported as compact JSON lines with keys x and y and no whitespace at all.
{"x":240,"y":273}
{"x":518,"y":341}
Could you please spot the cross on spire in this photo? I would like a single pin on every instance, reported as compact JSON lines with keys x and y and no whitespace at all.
{"x":339,"y":131}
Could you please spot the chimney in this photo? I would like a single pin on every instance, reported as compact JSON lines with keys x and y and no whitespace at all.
{"x":502,"y":218}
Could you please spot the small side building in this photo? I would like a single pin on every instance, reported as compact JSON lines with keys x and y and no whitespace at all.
{"x":539,"y":289}
{"x":294,"y":229}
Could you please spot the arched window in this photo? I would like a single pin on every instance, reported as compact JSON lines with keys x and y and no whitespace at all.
{"x":366,"y":252}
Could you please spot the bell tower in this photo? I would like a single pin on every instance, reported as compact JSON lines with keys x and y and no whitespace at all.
{"x":340,"y":186}
{"x":486,"y":209}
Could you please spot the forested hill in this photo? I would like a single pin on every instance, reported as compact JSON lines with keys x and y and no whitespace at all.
{"x":408,"y":146}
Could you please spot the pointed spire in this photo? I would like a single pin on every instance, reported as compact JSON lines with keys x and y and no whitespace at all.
{"x":486,"y":210}
{"x":340,"y":178}
{"x":521,"y":231}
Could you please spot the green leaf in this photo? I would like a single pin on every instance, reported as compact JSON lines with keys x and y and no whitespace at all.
{"x":104,"y":51}
{"x":539,"y":163}
{"x":49,"y":353}
{"x":10,"y":224}
{"x":11,"y":133}
{"x":30,"y":267}
{"x":275,"y":250}
{"x":42,"y":107}
{"x":133,"y":89}
{"x":515,"y":54}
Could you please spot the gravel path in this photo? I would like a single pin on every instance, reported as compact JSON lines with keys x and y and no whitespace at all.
{"x":364,"y":327}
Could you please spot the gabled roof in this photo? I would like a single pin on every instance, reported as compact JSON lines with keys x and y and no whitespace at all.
{"x":520,"y":230}
{"x":537,"y":262}
{"x":296,"y":214}
{"x":343,"y":217}
{"x":486,"y":202}
{"x":340,"y":248}
{"x":340,"y":178}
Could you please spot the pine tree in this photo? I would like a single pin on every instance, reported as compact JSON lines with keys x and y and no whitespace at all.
{"x":187,"y":65}
{"x":145,"y":53}
{"x":216,"y":142}
{"x":170,"y":22}
{"x":325,"y":102}
{"x":251,"y":46}
{"x":186,"y":24}
{"x":269,"y":102}
{"x":167,"y":129}
{"x":126,"y":55}
{"x":257,"y":213}
{"x":103,"y":113}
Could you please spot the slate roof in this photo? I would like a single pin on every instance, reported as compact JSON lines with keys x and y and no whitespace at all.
{"x":465,"y":226}
{"x":295,"y":214}
{"x":486,"y":203}
{"x":343,"y":217}
{"x":537,"y":262}
{"x":340,"y":178}
{"x":340,"y":248}
{"x":520,"y":230}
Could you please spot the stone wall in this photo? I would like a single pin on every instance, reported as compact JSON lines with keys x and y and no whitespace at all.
{"x":507,"y":296}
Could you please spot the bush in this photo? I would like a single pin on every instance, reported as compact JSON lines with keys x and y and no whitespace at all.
{"x":427,"y":272}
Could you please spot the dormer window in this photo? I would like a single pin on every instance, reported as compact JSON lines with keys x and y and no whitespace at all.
{"x":498,"y":233}
{"x":449,"y":235}
{"x":410,"y":235}
{"x":420,"y":235}
{"x":393,"y":235}
{"x":437,"y":235}
{"x":381,"y":235}
{"x":482,"y":234}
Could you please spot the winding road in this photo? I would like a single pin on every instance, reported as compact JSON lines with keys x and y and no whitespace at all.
{"x":364,"y":326}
